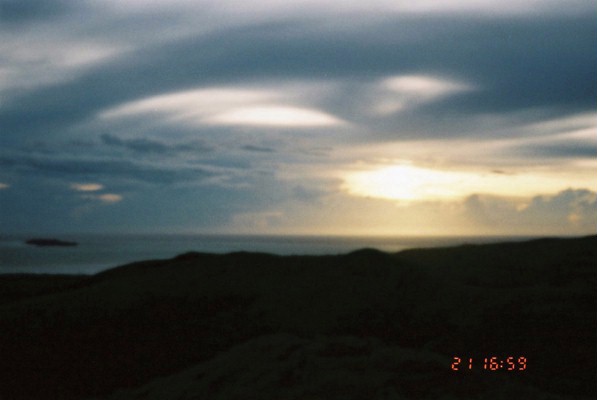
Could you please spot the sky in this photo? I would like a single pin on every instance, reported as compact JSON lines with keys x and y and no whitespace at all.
{"x":470,"y":117}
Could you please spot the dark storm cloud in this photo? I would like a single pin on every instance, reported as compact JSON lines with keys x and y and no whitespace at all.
{"x":115,"y":169}
{"x":141,"y":145}
{"x":151,"y":146}
{"x":514,"y":63}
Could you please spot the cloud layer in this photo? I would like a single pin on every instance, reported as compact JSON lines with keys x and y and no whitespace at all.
{"x":228,"y":116}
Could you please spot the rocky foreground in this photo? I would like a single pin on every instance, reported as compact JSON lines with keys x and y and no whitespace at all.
{"x":365,"y":325}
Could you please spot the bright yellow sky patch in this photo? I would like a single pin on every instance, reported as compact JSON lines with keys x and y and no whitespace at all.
{"x":405,"y":182}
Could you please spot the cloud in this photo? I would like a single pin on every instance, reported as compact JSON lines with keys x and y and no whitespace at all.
{"x":191,"y":104}
{"x":274,"y":116}
{"x":226,"y":100}
{"x":571,"y":211}
{"x":258,"y":149}
{"x":110,"y":197}
{"x":574,"y":145}
{"x":141,"y":145}
{"x":240,"y":11}
{"x":568,"y":212}
{"x":118,"y":169}
{"x":398,"y":92}
{"x":151,"y":146}
{"x":574,"y":150}
{"x":571,"y":138}
{"x":107,"y":198}
{"x":86,"y":187}
{"x":42,"y":57}
{"x":514,"y":64}
{"x":94,"y":187}
{"x":273,"y":106}
{"x":4,"y":186}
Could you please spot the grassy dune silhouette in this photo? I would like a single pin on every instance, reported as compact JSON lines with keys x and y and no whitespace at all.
{"x":363,"y":325}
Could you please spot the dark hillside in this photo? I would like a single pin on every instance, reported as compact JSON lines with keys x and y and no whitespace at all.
{"x":364,"y":325}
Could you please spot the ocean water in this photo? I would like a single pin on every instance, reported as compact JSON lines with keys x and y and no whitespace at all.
{"x":96,"y":252}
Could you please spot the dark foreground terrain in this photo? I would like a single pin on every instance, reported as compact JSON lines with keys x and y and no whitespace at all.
{"x":365,"y":325}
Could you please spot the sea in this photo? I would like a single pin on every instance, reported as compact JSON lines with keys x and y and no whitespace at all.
{"x":98,"y":252}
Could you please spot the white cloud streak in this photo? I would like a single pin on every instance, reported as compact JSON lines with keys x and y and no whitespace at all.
{"x":107,"y":198}
{"x":86,"y":187}
{"x":240,"y":9}
{"x":396,"y":93}
{"x":48,"y":55}
{"x":110,"y":198}
{"x":272,"y":106}
{"x":274,"y":116}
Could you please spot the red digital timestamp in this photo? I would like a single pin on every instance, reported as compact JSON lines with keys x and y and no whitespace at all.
{"x":490,"y":364}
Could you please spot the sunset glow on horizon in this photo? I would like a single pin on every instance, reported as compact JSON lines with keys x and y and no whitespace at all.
{"x":405,"y":182}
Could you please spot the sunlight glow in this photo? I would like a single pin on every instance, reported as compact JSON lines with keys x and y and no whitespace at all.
{"x":404,"y":182}
{"x":411,"y":183}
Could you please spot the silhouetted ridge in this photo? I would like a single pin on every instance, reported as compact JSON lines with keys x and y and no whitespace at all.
{"x":189,"y":256}
{"x":366,"y":324}
{"x":367,"y":252}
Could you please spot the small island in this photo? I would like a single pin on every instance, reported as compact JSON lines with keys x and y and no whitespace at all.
{"x":50,"y":242}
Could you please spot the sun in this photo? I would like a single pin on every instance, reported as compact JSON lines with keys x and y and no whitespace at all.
{"x":405,"y":182}
{"x":410,"y":183}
